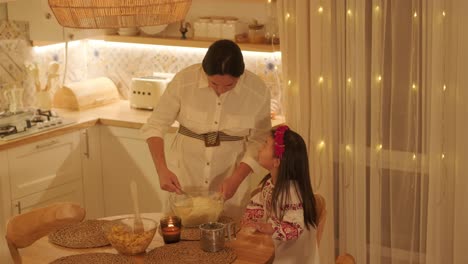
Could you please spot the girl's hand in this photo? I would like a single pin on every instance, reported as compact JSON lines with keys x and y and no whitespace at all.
{"x":168,"y":181}
{"x":265,"y":228}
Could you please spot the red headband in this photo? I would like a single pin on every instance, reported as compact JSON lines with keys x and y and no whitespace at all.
{"x":279,"y":141}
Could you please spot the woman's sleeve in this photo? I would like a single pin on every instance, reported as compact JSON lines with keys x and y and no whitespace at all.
{"x":292,"y":224}
{"x":165,"y":112}
{"x":254,"y":210}
{"x":260,"y":130}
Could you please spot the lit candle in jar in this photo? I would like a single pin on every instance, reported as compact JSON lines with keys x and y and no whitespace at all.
{"x":171,"y":227}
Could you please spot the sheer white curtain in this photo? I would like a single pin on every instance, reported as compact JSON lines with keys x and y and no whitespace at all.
{"x":379,"y":89}
{"x":306,"y":55}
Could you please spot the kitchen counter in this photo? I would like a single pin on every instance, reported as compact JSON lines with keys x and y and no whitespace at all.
{"x":118,"y":114}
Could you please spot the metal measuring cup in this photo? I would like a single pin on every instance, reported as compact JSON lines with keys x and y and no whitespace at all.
{"x":212,"y":236}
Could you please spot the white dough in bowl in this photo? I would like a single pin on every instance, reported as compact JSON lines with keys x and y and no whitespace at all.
{"x":197,"y":210}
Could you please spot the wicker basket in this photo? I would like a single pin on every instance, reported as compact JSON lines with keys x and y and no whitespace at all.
{"x":118,"y":13}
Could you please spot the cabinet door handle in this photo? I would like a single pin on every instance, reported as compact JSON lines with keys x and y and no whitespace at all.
{"x":18,"y":205}
{"x":47,"y":144}
{"x":86,"y":152}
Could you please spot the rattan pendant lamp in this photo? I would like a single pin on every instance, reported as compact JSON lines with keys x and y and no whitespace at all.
{"x":100,"y":14}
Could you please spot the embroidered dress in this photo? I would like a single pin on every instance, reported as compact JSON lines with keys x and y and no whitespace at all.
{"x":243,"y":111}
{"x":293,"y":242}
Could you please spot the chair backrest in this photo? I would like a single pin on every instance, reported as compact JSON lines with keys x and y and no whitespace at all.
{"x":25,"y":229}
{"x":320,"y":207}
{"x":345,"y":259}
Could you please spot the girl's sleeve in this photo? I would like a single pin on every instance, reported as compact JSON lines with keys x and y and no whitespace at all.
{"x":254,"y":210}
{"x":292,"y":225}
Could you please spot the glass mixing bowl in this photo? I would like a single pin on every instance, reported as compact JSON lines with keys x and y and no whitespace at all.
{"x":197,"y":207}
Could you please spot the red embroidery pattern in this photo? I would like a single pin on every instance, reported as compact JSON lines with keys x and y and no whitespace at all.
{"x":286,"y":230}
{"x":252,"y":215}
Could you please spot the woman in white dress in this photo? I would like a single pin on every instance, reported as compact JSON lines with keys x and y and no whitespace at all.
{"x":224,"y":113}
{"x":285,"y":206}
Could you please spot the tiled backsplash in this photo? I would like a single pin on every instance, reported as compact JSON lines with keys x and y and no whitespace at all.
{"x":118,"y":61}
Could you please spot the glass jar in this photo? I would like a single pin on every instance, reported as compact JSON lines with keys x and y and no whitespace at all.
{"x":256,"y":33}
{"x":215,"y":27}
{"x":200,"y":27}
{"x":230,"y":28}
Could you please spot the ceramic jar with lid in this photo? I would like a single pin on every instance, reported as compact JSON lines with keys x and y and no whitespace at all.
{"x":200,"y":27}
{"x":256,"y":33}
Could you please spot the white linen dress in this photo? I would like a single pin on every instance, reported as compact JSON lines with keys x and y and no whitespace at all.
{"x":243,"y":111}
{"x":294,"y":243}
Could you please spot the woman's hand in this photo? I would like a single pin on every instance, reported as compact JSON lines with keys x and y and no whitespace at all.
{"x":168,"y":181}
{"x":230,"y":184}
{"x":229,"y":187}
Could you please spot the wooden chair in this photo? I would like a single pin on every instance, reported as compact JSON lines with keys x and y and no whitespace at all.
{"x":321,"y":209}
{"x":345,"y":259}
{"x":23,"y":230}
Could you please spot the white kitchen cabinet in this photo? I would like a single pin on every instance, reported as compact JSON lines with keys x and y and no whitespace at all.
{"x":68,"y":192}
{"x":4,"y":206}
{"x":42,"y":24}
{"x":126,"y":157}
{"x":44,"y":172}
{"x":44,"y":164}
{"x":91,"y":170}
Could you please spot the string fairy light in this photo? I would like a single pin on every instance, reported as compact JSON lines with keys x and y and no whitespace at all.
{"x":378,"y":147}
{"x":320,"y":79}
{"x":321,"y":145}
{"x":348,"y":148}
{"x":320,"y":9}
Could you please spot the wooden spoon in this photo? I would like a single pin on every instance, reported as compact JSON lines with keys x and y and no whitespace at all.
{"x":137,"y":224}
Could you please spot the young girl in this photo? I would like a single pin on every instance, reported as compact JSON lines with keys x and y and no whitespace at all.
{"x":285,"y":206}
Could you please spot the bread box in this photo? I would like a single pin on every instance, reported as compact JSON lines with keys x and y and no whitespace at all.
{"x":86,"y":94}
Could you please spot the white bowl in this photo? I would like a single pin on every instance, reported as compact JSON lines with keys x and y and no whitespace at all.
{"x":128,"y":31}
{"x":153,"y":30}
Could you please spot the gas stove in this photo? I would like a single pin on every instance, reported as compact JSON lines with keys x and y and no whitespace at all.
{"x":21,"y":124}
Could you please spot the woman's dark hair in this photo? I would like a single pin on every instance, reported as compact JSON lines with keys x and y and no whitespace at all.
{"x":293,"y":170}
{"x":224,"y":57}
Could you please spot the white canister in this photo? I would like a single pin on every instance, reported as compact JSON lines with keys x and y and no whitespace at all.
{"x":215,"y":27}
{"x":200,"y":27}
{"x":230,"y":28}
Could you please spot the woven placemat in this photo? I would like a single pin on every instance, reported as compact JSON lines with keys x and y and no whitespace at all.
{"x":185,"y":252}
{"x":88,"y":258}
{"x":193,"y":233}
{"x":87,"y":234}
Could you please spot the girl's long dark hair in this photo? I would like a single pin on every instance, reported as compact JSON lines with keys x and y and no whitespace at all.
{"x":293,"y":171}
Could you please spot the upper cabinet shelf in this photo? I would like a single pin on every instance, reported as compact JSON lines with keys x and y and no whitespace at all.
{"x":184,"y":42}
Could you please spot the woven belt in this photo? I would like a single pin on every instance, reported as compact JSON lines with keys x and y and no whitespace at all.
{"x":212,"y":139}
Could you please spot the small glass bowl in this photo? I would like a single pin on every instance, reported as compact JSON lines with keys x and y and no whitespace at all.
{"x":122,"y":237}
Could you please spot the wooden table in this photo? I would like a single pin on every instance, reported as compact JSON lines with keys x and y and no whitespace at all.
{"x":251,"y":248}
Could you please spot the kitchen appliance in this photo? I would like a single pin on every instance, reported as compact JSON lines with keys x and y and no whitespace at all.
{"x":86,"y":94}
{"x":21,"y":124}
{"x":145,"y":91}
